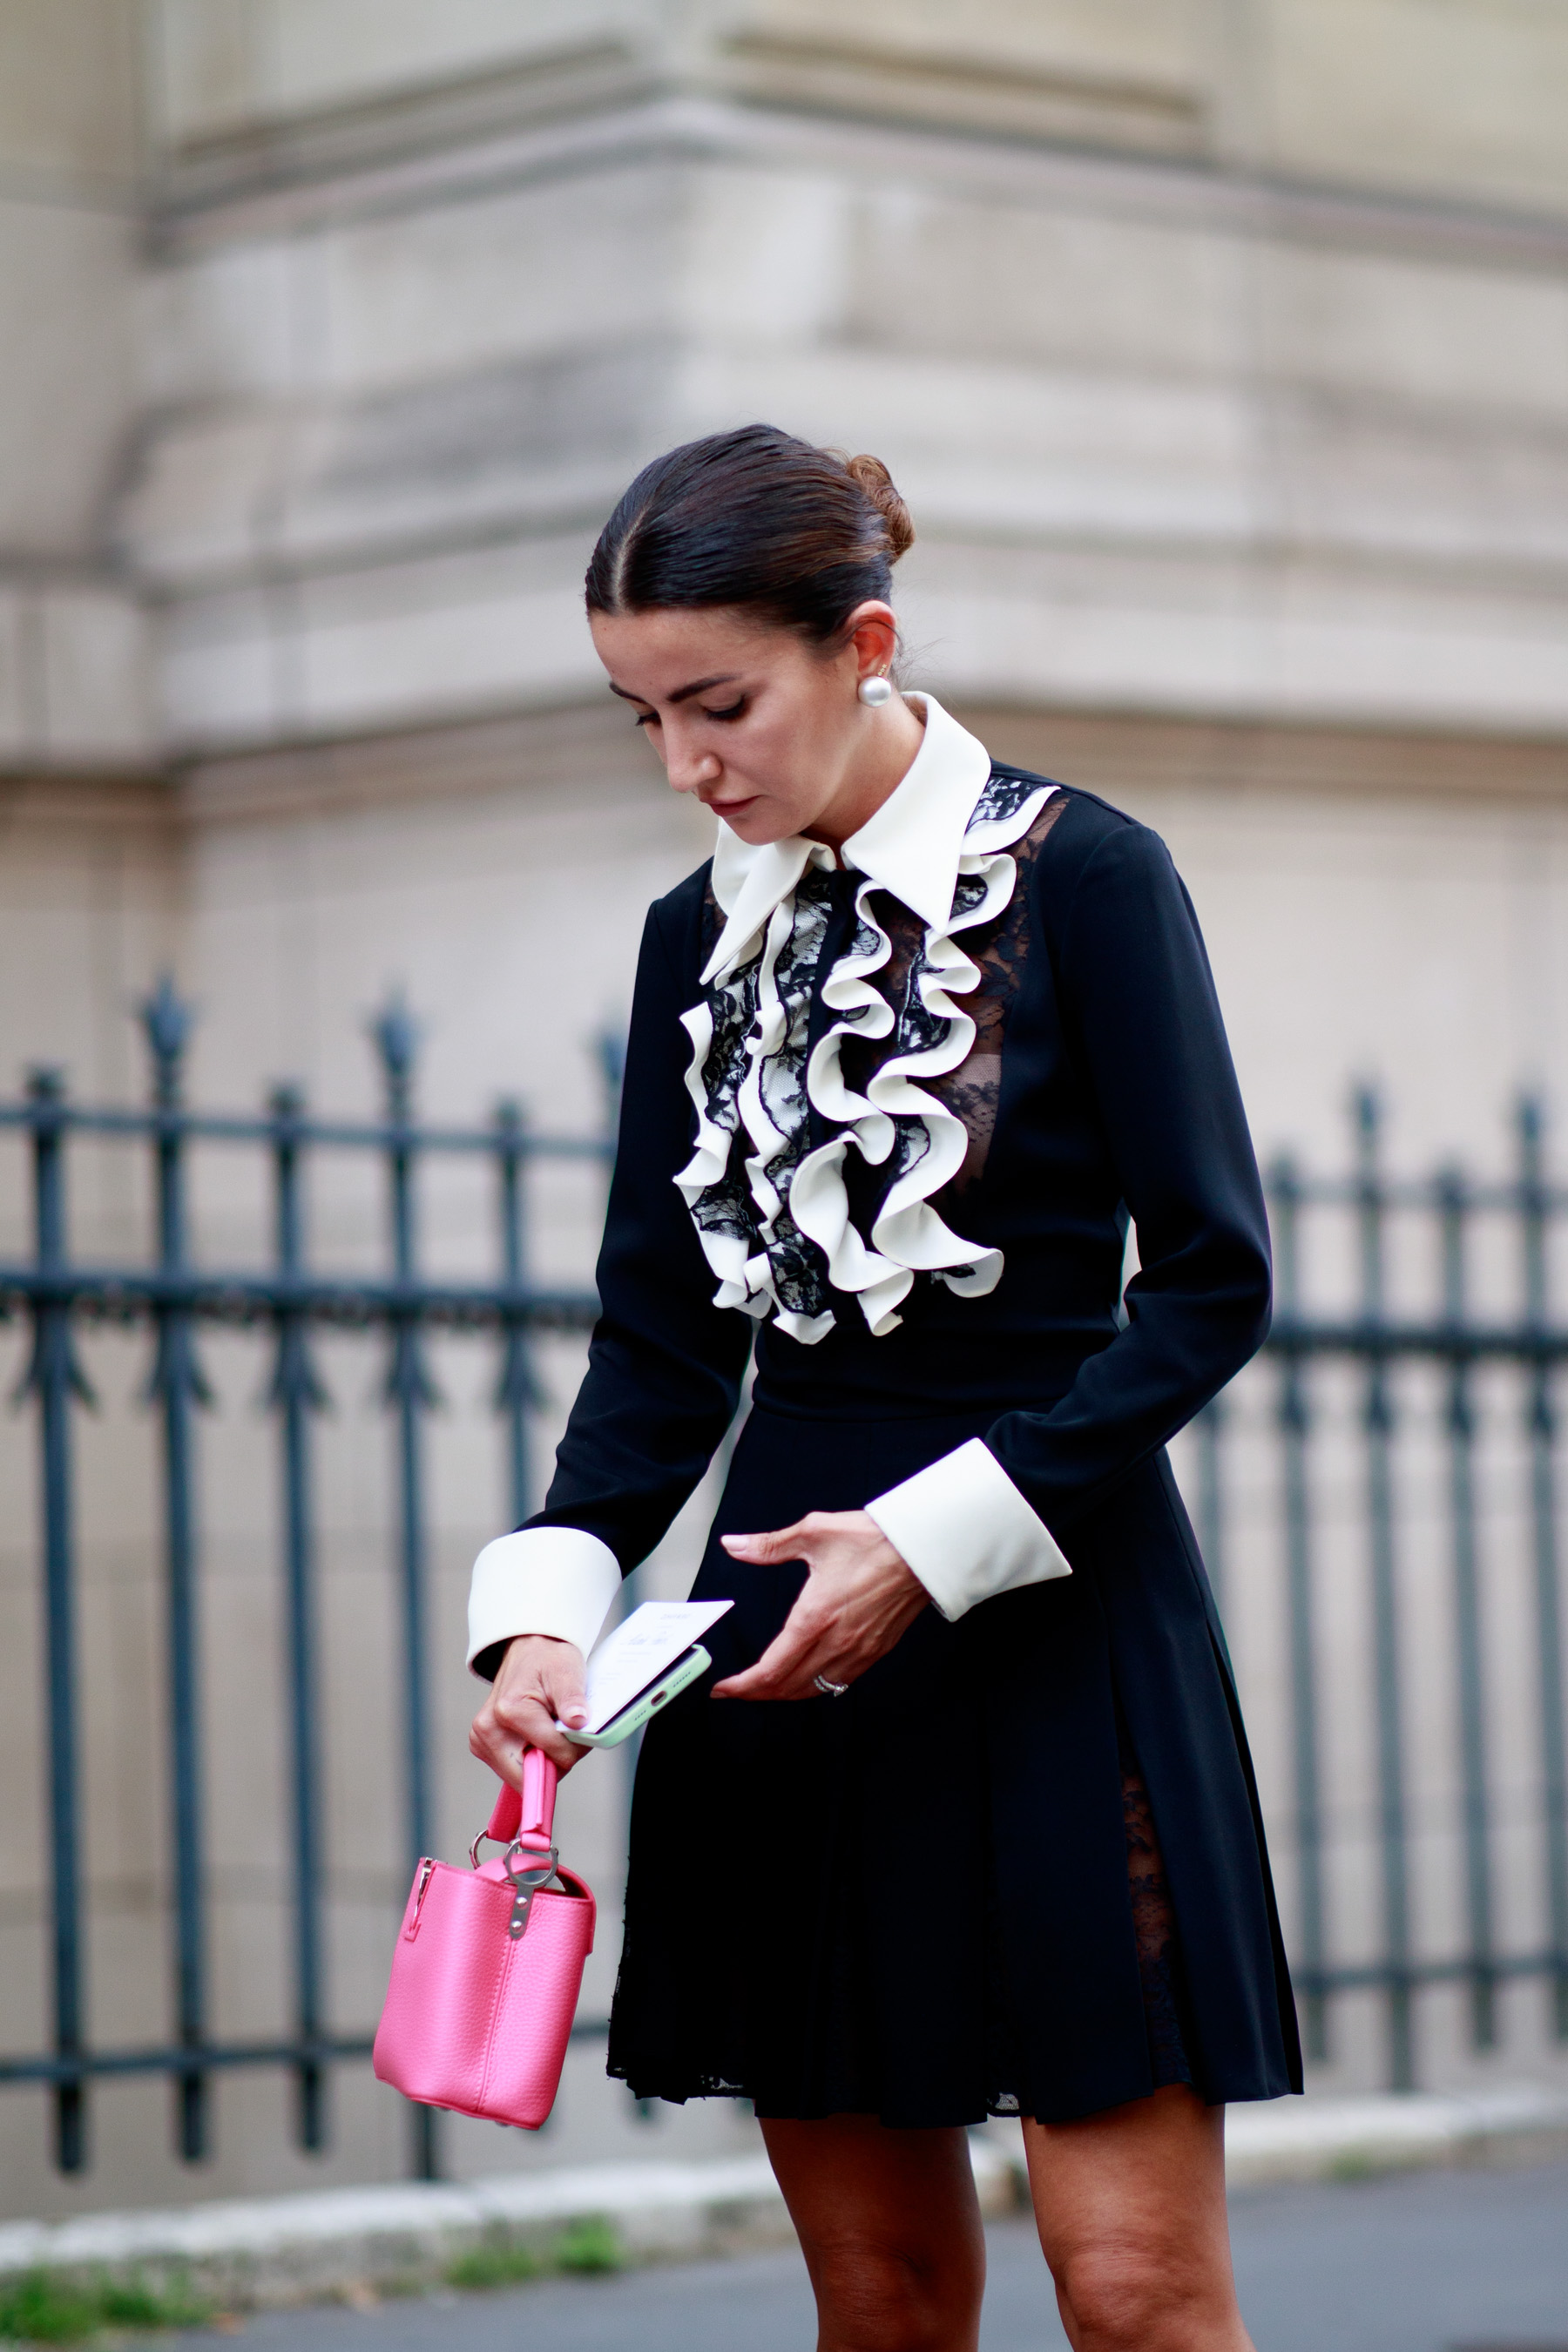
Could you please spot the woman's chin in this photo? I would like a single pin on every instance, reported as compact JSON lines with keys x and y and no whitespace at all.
{"x":756,"y":821}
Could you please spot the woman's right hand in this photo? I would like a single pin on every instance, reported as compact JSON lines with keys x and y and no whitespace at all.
{"x":538,"y":1686}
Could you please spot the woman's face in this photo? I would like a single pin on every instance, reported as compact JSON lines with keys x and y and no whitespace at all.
{"x":764,"y":729}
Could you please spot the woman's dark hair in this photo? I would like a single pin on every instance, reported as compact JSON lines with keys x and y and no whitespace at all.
{"x":756,"y":519}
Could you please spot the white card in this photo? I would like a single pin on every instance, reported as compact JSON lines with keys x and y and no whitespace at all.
{"x":637,"y":1650}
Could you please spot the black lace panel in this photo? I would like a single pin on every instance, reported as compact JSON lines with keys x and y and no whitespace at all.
{"x":1000,"y":948}
{"x":1160,"y":1973}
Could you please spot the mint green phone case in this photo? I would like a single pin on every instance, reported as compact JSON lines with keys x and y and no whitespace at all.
{"x":686,"y":1669}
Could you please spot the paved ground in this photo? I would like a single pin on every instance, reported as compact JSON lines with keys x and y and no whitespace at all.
{"x":1425,"y":2264}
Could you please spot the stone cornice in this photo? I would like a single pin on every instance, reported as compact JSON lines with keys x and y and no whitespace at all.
{"x":1114,"y":751}
{"x":298,"y":179}
{"x":32,"y":793}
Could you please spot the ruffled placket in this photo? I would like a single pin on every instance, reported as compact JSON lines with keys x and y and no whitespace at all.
{"x":794,"y":976}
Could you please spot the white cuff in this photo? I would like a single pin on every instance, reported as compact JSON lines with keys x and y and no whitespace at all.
{"x":556,"y":1580}
{"x":966,"y":1530}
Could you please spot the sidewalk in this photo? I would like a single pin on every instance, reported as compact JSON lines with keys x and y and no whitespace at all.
{"x":262,"y":2250}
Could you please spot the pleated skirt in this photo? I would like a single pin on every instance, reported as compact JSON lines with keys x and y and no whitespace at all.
{"x":929,"y":1900}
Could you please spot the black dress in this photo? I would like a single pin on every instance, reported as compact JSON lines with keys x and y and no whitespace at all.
{"x":1020,"y":1867}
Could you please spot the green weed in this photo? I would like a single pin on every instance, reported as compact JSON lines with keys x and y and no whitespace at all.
{"x":584,"y":2249}
{"x":590,"y":2245}
{"x":496,"y":2262}
{"x":130,"y":2303}
{"x":43,"y":2308}
{"x":39,"y":2309}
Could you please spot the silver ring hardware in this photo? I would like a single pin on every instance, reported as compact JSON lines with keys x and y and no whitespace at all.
{"x":830,"y":1690}
{"x":528,"y":1870}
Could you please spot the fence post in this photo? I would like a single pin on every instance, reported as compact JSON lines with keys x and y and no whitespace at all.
{"x":516,"y":1390}
{"x":1295,"y":1426}
{"x":296,"y":1394}
{"x":408,"y":1388}
{"x":179,"y":1388}
{"x":612,"y":1057}
{"x":1378,"y":1422}
{"x":1453,"y":1207}
{"x":54,"y":1376}
{"x":1543,"y":1518}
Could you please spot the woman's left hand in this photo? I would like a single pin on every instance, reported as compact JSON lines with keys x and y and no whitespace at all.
{"x":859,"y":1596}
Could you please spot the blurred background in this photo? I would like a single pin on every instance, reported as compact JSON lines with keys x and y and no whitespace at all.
{"x":1220,"y":348}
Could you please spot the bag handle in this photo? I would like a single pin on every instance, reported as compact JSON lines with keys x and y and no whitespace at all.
{"x":527,"y":1812}
{"x":523,"y":1821}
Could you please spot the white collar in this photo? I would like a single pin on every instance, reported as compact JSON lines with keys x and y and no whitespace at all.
{"x":910,"y":847}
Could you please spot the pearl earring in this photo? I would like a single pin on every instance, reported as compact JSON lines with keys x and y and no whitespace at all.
{"x":874,"y":691}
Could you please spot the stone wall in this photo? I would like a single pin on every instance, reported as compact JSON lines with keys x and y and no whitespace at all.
{"x":1222,"y":352}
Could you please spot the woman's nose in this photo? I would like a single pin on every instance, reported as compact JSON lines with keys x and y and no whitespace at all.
{"x":688,"y":766}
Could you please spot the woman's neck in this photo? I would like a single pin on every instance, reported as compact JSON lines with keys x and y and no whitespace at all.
{"x":892,"y":741}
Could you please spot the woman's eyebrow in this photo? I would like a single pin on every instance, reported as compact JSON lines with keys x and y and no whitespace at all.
{"x":683,"y":693}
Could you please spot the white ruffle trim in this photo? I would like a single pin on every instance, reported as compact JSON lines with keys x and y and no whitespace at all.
{"x":771,"y":1103}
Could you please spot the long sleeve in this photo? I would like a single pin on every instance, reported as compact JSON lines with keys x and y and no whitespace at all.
{"x":1142,"y":1019}
{"x":665,"y":1365}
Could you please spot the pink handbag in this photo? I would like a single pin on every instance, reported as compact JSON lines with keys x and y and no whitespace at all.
{"x":488,"y":1969}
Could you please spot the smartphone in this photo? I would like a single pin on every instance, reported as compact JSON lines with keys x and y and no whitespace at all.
{"x":688,"y":1668}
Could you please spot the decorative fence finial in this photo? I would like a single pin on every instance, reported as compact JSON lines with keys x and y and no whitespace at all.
{"x":167,"y":1021}
{"x":395,"y":1036}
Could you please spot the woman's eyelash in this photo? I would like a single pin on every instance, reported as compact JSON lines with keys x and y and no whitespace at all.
{"x":650,"y":717}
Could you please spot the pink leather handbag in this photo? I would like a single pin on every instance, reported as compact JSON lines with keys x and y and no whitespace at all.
{"x":488,"y":1969}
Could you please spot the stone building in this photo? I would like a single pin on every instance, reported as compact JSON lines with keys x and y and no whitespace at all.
{"x":1220,"y":348}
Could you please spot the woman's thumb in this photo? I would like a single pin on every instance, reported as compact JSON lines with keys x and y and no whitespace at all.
{"x":778,"y":1544}
{"x":568,"y":1696}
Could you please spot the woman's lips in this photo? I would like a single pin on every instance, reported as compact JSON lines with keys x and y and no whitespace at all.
{"x":732,"y":808}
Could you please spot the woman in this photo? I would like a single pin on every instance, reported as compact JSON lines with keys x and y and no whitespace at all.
{"x":964,"y":1824}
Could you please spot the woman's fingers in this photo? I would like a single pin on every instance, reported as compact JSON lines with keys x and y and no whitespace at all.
{"x":780,"y":1671}
{"x":502,"y":1743}
{"x":538,"y":1687}
{"x":859,"y":1599}
{"x":761,"y":1683}
{"x":537,"y":1668}
{"x":783,"y":1543}
{"x":784,"y":1670}
{"x":501,"y":1740}
{"x":807,"y":1638}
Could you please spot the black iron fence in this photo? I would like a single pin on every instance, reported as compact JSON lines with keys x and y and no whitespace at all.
{"x":1273,"y":1429}
{"x":1451,"y":1228}
{"x":172,"y":1296}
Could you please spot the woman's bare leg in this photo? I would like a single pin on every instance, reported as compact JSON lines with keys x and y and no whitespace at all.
{"x":889,"y":2225}
{"x":1130,"y":2211}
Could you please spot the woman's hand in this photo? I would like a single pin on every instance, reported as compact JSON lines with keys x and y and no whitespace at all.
{"x":859,"y":1597}
{"x":538,"y":1687}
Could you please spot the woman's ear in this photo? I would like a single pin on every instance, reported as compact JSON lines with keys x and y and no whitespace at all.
{"x":872,"y":634}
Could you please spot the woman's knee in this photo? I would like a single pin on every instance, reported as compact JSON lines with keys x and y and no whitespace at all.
{"x":890,"y":2229}
{"x":1121,"y":2298}
{"x":875,"y":2297}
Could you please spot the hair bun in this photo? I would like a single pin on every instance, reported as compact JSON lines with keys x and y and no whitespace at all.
{"x":871,"y":476}
{"x":758,"y":522}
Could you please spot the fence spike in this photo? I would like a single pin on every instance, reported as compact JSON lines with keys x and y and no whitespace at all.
{"x":395,"y":1035}
{"x":168,"y":1019}
{"x":47,"y":1091}
{"x":408,"y":1381}
{"x":295,"y":1378}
